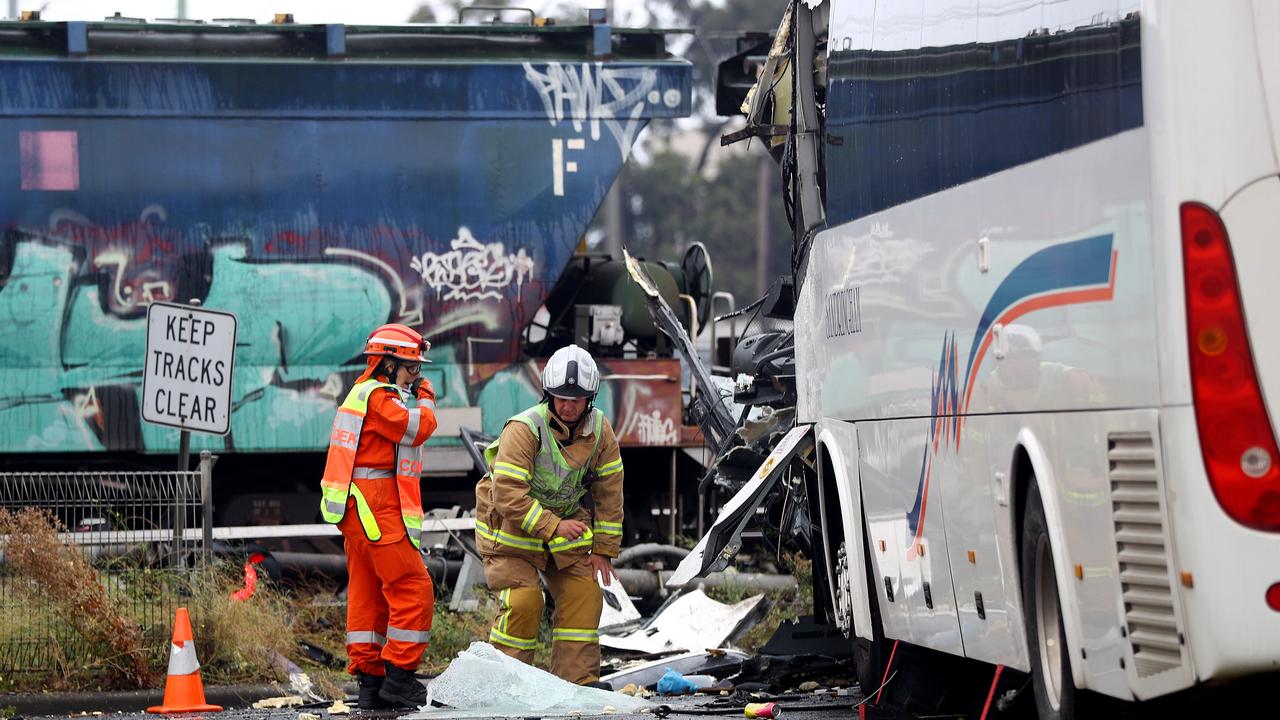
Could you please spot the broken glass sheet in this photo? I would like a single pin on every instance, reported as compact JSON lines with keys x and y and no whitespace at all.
{"x":468,"y":687}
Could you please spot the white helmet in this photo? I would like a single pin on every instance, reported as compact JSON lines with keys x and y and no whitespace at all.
{"x":571,"y":373}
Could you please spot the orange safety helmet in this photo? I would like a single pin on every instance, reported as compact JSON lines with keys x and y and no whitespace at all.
{"x":398,"y":341}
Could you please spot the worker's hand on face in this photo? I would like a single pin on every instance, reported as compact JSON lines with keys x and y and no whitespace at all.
{"x":570,"y":529}
{"x":602,"y":567}
{"x":423,"y":390}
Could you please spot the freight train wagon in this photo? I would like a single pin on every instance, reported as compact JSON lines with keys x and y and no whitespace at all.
{"x":317,"y":181}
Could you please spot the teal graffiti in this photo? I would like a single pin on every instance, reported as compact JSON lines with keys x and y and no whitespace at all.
{"x":299,"y":324}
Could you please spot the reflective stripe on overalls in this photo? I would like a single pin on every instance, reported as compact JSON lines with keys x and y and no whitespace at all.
{"x":340,"y":470}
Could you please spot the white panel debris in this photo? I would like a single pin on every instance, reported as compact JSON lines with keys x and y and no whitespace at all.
{"x":692,"y":622}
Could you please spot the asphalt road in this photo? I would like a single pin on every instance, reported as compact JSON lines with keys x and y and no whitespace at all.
{"x":795,"y":706}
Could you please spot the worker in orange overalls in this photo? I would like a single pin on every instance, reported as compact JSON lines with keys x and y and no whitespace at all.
{"x":371,"y":490}
{"x":551,"y":504}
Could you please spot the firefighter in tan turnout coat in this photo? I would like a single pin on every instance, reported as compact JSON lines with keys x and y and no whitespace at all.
{"x":552,"y":502}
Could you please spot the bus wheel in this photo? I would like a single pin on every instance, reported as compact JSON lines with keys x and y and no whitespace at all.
{"x":1050,"y":666}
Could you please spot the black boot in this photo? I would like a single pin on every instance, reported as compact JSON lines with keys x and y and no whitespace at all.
{"x":369,"y":685}
{"x":402,"y":689}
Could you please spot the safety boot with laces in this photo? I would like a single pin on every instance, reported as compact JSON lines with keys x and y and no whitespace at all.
{"x":368,"y":687}
{"x":401,"y":688}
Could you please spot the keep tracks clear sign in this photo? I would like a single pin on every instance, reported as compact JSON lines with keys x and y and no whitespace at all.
{"x":190,"y":355}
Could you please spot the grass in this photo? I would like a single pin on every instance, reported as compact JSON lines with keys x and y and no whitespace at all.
{"x":67,"y":624}
{"x":90,"y":627}
{"x":61,"y":587}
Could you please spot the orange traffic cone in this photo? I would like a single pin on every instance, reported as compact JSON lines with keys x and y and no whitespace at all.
{"x":183,"y":691}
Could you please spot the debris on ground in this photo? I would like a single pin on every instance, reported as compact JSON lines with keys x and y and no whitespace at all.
{"x":466,"y":688}
{"x":805,"y":636}
{"x":673,"y":683}
{"x":282,"y":701}
{"x":691,"y":621}
{"x":339,"y":708}
{"x":646,"y":674}
{"x":781,"y":672}
{"x":762,"y":710}
{"x":635,"y":690}
{"x":300,"y":684}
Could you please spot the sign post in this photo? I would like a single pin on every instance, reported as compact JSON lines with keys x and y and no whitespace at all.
{"x":186,"y":383}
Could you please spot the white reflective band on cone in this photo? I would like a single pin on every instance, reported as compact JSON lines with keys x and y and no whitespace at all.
{"x":182,"y":659}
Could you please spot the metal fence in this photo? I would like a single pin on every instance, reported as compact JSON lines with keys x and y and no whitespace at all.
{"x":130,"y":525}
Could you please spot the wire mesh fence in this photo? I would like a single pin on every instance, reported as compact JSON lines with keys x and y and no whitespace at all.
{"x":141,"y":532}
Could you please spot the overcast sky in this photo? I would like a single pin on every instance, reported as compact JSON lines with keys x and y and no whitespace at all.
{"x":375,"y":12}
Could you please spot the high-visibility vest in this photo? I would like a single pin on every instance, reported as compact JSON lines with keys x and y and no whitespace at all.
{"x":556,"y":484}
{"x":340,"y":468}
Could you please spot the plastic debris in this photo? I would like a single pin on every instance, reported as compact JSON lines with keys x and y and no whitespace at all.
{"x":300,"y":684}
{"x":279,"y":702}
{"x":308,"y":716}
{"x":673,"y":683}
{"x":339,"y":708}
{"x":467,"y":688}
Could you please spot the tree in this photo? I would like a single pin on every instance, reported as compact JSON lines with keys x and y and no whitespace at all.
{"x":424,"y":14}
{"x":668,"y":205}
{"x":668,"y":208}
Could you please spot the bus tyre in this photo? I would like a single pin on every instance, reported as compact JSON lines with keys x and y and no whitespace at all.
{"x":1055,"y":692}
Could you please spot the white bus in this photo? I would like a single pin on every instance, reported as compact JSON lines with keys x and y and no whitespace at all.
{"x":1037,"y":337}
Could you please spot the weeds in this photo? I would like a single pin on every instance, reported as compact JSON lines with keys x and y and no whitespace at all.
{"x":783,"y":604}
{"x":239,"y":641}
{"x":58,"y":578}
{"x":110,"y":628}
{"x":69,"y":625}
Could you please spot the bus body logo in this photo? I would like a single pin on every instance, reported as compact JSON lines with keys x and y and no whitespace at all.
{"x":844,"y":312}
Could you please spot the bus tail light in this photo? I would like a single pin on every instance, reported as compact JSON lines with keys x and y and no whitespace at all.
{"x":1236,"y":437}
